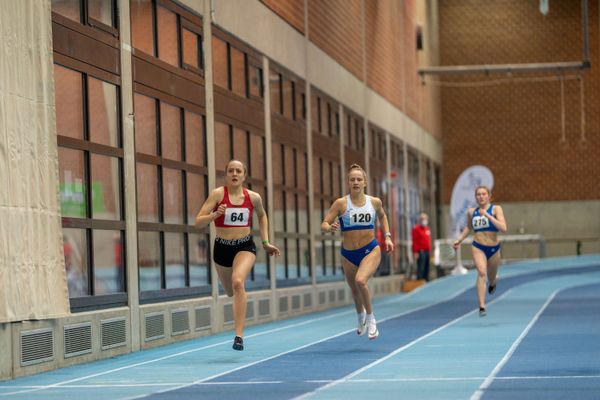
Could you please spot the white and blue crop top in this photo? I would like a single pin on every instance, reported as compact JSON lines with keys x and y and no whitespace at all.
{"x":481,"y":223}
{"x":355,"y":218}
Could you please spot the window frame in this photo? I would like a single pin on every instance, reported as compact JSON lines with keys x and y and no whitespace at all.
{"x":183,"y":167}
{"x":90,"y":224}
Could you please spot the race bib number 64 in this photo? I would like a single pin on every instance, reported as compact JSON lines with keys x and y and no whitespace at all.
{"x":236,"y":216}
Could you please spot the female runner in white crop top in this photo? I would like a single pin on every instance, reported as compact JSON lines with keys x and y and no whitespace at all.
{"x":361,"y":254}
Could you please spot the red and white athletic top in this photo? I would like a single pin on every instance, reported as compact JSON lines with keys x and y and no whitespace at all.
{"x":235,"y":215}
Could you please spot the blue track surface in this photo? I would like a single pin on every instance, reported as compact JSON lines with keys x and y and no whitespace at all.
{"x":541,"y":339}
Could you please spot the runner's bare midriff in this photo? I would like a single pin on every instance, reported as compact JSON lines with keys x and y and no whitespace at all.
{"x":232,"y":233}
{"x":356,"y":239}
{"x":486,"y":238}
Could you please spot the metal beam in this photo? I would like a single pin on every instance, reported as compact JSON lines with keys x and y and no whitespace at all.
{"x":504,"y":68}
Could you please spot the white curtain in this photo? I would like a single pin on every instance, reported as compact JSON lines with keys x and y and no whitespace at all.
{"x":32,"y":272}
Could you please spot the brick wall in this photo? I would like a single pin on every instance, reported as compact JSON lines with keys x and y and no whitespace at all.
{"x":392,"y":60}
{"x":385,"y":72}
{"x":292,"y":11}
{"x":515,"y":128}
{"x":335,"y":26}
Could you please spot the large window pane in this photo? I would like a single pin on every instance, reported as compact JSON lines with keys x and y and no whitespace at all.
{"x":101,"y":10}
{"x":191,"y":46}
{"x":145,"y":124}
{"x":72,"y":183}
{"x":240,"y":145}
{"x":288,"y":96}
{"x":196,"y":195}
{"x":108,"y":261}
{"x":67,"y":8}
{"x":300,"y":102}
{"x":149,"y":260}
{"x":238,"y":72}
{"x":304,"y":251}
{"x":172,"y":196}
{"x":170,"y":131}
{"x":275,"y":82}
{"x":142,"y":35}
{"x":257,"y":161}
{"x":255,"y":81}
{"x":220,"y":63}
{"x":222,"y":145}
{"x":167,"y":36}
{"x":280,"y":266}
{"x":195,"y":139}
{"x":260,"y":272}
{"x":69,"y":102}
{"x":278,"y":176}
{"x":174,"y":260}
{"x":292,"y":259}
{"x":147,"y":192}
{"x":302,"y":170}
{"x":290,"y":166}
{"x":106,"y":187}
{"x":303,"y":214}
{"x":199,"y":260}
{"x":279,"y":209}
{"x":315,"y":113}
{"x":75,"y":248}
{"x":103,"y":112}
{"x":290,"y":210}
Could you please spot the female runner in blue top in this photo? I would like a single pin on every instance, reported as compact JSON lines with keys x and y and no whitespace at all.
{"x":360,"y":251}
{"x":485,"y":221}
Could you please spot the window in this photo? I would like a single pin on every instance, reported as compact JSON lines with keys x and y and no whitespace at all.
{"x":90,"y":160}
{"x":378,"y":185}
{"x":256,"y":85}
{"x":238,"y":72}
{"x":172,"y":183}
{"x":276,"y":93}
{"x":396,"y":214}
{"x":291,"y":213}
{"x":220,"y":62}
{"x":327,"y":184}
{"x":142,"y":26}
{"x":168,"y":32}
{"x":168,"y":49}
{"x":99,"y":14}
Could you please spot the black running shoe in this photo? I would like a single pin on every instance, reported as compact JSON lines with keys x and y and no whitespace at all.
{"x":238,"y":343}
{"x":482,"y":312}
{"x":491,"y":288}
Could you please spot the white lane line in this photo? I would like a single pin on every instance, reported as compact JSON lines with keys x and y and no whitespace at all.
{"x":463,"y":378}
{"x":228,"y":342}
{"x":297,"y":348}
{"x":392,"y":354}
{"x":384,"y":380}
{"x":488,"y":381}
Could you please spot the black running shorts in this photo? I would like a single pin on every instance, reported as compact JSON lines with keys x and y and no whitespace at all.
{"x":225,"y":250}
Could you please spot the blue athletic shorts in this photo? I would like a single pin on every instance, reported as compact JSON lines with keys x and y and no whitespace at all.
{"x":489,"y":251}
{"x":356,"y":256}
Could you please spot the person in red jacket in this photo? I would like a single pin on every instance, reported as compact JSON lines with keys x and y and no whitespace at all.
{"x":421,"y":246}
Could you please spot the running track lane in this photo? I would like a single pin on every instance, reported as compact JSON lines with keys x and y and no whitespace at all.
{"x":565,"y":341}
{"x":299,"y":372}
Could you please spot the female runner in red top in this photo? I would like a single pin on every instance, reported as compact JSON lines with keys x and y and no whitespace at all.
{"x":231,"y":207}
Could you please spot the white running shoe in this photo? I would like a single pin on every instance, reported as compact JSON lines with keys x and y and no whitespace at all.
{"x":362,"y":324}
{"x":372,"y":329}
